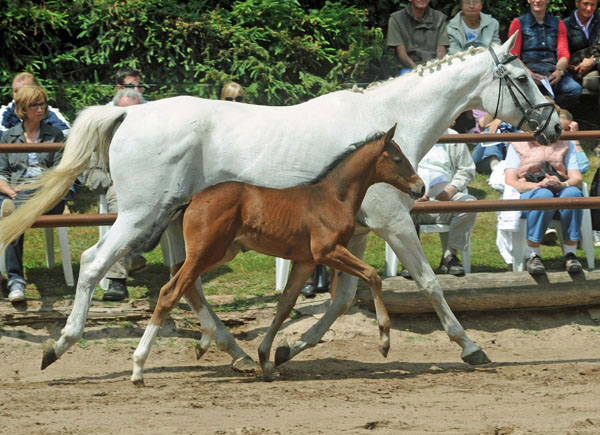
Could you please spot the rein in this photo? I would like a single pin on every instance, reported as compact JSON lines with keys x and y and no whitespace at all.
{"x":501,"y":73}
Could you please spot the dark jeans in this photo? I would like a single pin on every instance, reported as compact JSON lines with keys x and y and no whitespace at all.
{"x":13,"y":255}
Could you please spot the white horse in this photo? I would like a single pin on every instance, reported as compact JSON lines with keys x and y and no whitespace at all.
{"x":163,"y":152}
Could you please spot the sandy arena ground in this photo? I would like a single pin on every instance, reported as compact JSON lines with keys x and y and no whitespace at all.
{"x":545,"y":379}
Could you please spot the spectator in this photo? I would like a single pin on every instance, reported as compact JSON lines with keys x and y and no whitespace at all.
{"x":418,"y":34}
{"x":10,"y":118}
{"x":129,"y":78}
{"x":31,"y":105}
{"x":447,"y":170}
{"x":537,"y":171}
{"x":543,"y":47}
{"x":472,"y":27}
{"x":582,"y":33}
{"x":487,"y":155}
{"x":233,"y":91}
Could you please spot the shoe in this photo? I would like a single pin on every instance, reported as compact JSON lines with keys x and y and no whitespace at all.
{"x":404,"y":273}
{"x":451,"y":264}
{"x":138,"y":264}
{"x":117,"y":291}
{"x":17,"y":292}
{"x":7,"y":208}
{"x":535,"y":266}
{"x":308,"y":291}
{"x":322,"y":279}
{"x":572,"y":264}
{"x":597,"y":150}
{"x":550,"y":237}
{"x":596,"y":236}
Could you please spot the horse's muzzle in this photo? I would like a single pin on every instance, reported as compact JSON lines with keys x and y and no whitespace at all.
{"x":418,"y":190}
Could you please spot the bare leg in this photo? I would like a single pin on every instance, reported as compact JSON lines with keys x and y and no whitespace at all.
{"x":299,"y":274}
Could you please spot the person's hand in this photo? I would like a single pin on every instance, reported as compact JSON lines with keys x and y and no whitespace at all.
{"x":551,"y":182}
{"x":585,"y":66}
{"x":555,"y":77}
{"x":423,"y":198}
{"x":537,"y":78}
{"x":446,"y":194}
{"x":493,"y":125}
{"x":9,"y":191}
{"x":573,"y":126}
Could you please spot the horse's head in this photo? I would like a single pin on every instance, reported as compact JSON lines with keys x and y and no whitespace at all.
{"x":394,"y":168}
{"x":514,"y":97}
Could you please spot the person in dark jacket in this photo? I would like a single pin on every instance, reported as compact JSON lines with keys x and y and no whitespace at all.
{"x":582,"y":33}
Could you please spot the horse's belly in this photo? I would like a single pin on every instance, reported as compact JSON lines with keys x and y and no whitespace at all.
{"x":276,"y":248}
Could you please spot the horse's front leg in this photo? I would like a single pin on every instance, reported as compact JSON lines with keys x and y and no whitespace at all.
{"x":241,"y":361}
{"x":298,"y":275}
{"x":345,"y":289}
{"x":404,"y":240}
{"x":95,"y":261}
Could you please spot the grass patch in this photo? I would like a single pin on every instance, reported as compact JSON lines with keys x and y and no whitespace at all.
{"x":529,"y":332}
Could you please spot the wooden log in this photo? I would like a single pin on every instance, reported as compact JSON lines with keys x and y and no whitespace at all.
{"x":491,"y":291}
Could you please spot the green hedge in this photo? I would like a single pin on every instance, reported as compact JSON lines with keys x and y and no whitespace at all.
{"x":282,"y":51}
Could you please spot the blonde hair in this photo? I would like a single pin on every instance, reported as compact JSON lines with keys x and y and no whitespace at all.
{"x":231,"y":88}
{"x":26,"y":77}
{"x":29,"y":95}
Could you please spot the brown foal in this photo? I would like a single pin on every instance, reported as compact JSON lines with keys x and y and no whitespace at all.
{"x":309,"y":224}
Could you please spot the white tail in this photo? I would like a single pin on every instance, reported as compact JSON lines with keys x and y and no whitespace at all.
{"x":92,"y":132}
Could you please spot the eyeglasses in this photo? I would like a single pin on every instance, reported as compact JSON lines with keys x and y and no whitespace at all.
{"x":133,"y":85}
{"x":238,"y":99}
{"x":38,"y":105}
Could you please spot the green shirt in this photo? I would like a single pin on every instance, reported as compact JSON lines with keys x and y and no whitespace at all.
{"x":420,"y":37}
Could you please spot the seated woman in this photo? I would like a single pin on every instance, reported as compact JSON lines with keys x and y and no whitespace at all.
{"x":538,"y":171}
{"x":31,"y":105}
{"x":470,"y":26}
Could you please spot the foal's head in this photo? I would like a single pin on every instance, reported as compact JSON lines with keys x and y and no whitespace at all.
{"x":394,"y":168}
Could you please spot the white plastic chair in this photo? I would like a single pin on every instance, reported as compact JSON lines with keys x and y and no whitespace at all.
{"x":391,"y":261}
{"x":519,"y":238}
{"x":65,"y":253}
{"x":282,"y":270}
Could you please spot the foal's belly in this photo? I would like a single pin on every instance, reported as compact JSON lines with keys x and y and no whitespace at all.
{"x":299,"y":252}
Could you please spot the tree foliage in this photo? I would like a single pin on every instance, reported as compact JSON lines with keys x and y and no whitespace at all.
{"x":282,"y":51}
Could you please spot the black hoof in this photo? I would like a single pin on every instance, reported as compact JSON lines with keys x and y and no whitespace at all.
{"x":476,"y":358}
{"x":49,"y":358}
{"x":282,"y":354}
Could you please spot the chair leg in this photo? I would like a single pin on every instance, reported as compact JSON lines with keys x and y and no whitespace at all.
{"x":391,"y":261}
{"x":282,"y":270}
{"x":49,"y":236}
{"x":519,"y":245}
{"x":587,"y":238}
{"x":65,"y":254}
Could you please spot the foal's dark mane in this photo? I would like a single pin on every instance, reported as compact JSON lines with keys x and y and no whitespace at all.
{"x":341,"y":157}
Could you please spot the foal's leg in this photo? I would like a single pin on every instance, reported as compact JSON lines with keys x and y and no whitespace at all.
{"x":345,"y":288}
{"x":95,"y":261}
{"x":241,"y":361}
{"x":298,"y":276}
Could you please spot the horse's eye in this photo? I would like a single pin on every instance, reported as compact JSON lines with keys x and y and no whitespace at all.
{"x":522,"y":79}
{"x":397,"y":160}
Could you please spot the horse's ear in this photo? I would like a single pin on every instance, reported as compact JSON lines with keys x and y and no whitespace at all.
{"x":390,"y":134}
{"x":509,"y":44}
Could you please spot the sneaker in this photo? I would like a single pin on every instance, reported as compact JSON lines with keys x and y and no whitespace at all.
{"x":550,"y":237}
{"x":451,"y":264}
{"x":572,"y":264}
{"x":535,"y":266}
{"x":117,"y":291}
{"x":17,"y":292}
{"x":7,"y":208}
{"x":596,"y":235}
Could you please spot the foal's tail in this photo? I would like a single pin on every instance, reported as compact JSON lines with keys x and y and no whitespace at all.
{"x":91,"y":133}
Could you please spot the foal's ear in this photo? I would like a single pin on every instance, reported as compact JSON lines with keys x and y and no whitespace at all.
{"x":387,"y":138}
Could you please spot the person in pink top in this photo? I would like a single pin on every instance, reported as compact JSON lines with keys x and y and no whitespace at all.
{"x":543,"y":47}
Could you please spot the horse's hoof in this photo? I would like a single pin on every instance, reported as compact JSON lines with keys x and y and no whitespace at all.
{"x":282,"y":354}
{"x":48,"y":358}
{"x":476,"y":358}
{"x":199,"y":351}
{"x":138,"y":382}
{"x":268,"y":372}
{"x":244,"y":365}
{"x":384,"y":350}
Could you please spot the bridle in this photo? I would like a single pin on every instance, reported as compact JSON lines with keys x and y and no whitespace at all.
{"x":501,"y":73}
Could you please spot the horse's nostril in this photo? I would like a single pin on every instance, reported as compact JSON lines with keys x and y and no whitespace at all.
{"x":557,"y":128}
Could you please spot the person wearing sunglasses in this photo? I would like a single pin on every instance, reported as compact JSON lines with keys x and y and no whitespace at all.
{"x":17,"y":169}
{"x":234,"y":92}
{"x":9,"y":117}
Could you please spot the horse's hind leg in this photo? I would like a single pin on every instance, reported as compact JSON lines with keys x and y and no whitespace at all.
{"x":298,"y":276}
{"x":241,"y":361}
{"x":95,"y":261}
{"x":344,"y":296}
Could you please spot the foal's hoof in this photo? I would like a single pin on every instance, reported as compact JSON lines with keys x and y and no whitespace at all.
{"x":200,"y":351}
{"x":476,"y":358}
{"x":244,"y":365}
{"x":384,"y":350}
{"x":268,"y":372}
{"x":282,"y":354}
{"x":49,"y":357}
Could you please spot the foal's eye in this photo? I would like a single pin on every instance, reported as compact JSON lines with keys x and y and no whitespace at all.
{"x":398,"y":160}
